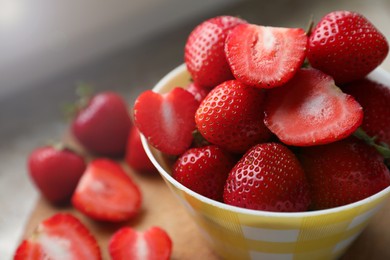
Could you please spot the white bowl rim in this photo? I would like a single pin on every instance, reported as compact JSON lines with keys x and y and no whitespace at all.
{"x":379,"y":74}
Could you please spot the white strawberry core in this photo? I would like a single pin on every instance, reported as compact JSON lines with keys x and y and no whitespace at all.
{"x":168,"y":117}
{"x":141,"y":247}
{"x":56,"y":247}
{"x":316,"y":108}
{"x":88,"y":181}
{"x":268,"y":39}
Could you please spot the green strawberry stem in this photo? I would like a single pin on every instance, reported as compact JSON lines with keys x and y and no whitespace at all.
{"x":383,"y":149}
{"x":310,"y":26}
{"x":84,"y":93}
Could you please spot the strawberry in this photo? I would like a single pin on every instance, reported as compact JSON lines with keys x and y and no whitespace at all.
{"x":263,"y":56}
{"x":166,"y":120}
{"x":61,"y":236}
{"x":346,"y":46}
{"x":102,"y":127}
{"x":343,"y":172}
{"x":55,"y":170}
{"x":231,"y":116}
{"x":268,"y":177}
{"x":198,"y":91}
{"x":204,"y":170}
{"x":375,"y":100}
{"x":153,"y":244}
{"x":204,"y":51}
{"x":311,"y":110}
{"x":107,"y":193}
{"x":135,"y":156}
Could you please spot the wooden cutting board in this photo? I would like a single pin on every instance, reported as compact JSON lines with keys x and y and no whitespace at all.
{"x":161,"y":208}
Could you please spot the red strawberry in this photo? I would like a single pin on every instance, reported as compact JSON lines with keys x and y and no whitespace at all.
{"x":343,"y":172}
{"x":263,"y":56}
{"x":231,"y":116}
{"x":198,"y":91}
{"x":204,"y":51}
{"x":55,"y":171}
{"x":375,"y":100}
{"x":166,"y":120}
{"x":204,"y":170}
{"x":136,"y":157}
{"x":103,"y":125}
{"x":311,"y":110}
{"x":153,"y":244}
{"x":62,"y":236}
{"x":346,"y":46}
{"x":107,"y":193}
{"x":268,"y":177}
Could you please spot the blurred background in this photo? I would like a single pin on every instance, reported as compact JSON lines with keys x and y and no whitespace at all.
{"x":47,"y":47}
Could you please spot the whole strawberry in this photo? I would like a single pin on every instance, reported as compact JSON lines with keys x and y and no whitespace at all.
{"x":231,"y":116}
{"x":204,"y":170}
{"x":135,"y":156}
{"x":125,"y":244}
{"x":204,"y":51}
{"x":375,"y":100}
{"x":268,"y":177}
{"x":61,"y":236}
{"x":103,"y":125}
{"x":346,"y":46}
{"x":166,"y":120}
{"x":343,"y":172}
{"x":55,"y":170}
{"x":198,"y":91}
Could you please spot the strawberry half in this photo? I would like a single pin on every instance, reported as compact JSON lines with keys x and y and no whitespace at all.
{"x":343,"y":172}
{"x":167,"y":120}
{"x":263,"y":56}
{"x":375,"y":100}
{"x":107,"y":193}
{"x":268,"y":177}
{"x":204,"y":170}
{"x":310,"y":110}
{"x":61,"y":236}
{"x":204,"y":51}
{"x":153,"y":244}
{"x":231,"y":116}
{"x":346,"y":46}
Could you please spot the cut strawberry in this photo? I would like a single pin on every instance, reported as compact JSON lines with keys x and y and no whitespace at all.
{"x":153,"y":244}
{"x":311,"y":110}
{"x":107,"y":193}
{"x":168,"y":120}
{"x":263,"y":56}
{"x":61,"y":236}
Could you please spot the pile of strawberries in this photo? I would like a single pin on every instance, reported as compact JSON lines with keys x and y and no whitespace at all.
{"x":98,"y":187}
{"x":277,"y":119}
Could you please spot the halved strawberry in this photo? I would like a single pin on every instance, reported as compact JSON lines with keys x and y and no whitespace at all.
{"x":153,"y":244}
{"x":310,"y":110}
{"x":61,"y":236}
{"x":263,"y":56}
{"x":105,"y":192}
{"x":167,"y":120}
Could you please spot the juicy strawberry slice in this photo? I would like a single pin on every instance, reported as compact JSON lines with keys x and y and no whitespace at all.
{"x":61,"y":236}
{"x":311,"y":110}
{"x":167,"y":120}
{"x":105,"y":192}
{"x":268,"y":177}
{"x":204,"y":51}
{"x":204,"y":170}
{"x":153,"y":244}
{"x":265,"y":57}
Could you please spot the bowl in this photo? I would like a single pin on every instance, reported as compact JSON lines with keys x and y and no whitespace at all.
{"x":237,"y":233}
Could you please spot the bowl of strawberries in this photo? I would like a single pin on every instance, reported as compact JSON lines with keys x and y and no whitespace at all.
{"x":275,"y":139}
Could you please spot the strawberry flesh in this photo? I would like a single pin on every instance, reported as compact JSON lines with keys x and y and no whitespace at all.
{"x":311,"y":110}
{"x":167,"y":120}
{"x":107,"y":193}
{"x":265,"y":57}
{"x":61,"y":236}
{"x":153,"y":244}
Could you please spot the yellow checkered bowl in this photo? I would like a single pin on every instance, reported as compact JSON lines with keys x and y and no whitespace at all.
{"x":237,"y":233}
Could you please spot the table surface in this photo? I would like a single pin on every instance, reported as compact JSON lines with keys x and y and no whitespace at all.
{"x":30,"y":118}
